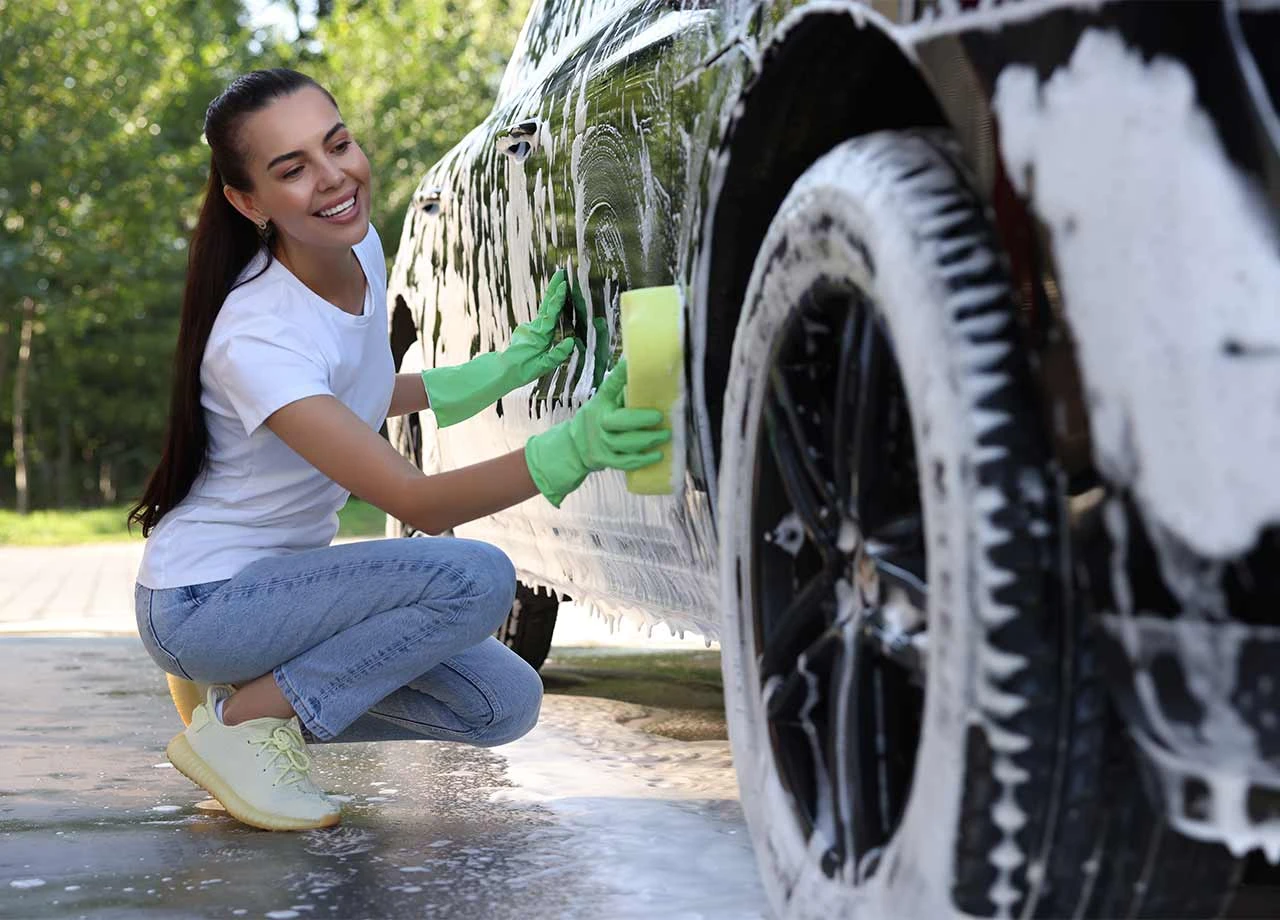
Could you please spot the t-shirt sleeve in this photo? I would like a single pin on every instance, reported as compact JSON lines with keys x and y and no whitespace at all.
{"x":262,"y":367}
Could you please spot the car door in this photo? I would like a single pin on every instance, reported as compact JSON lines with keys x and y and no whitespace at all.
{"x":574,"y":169}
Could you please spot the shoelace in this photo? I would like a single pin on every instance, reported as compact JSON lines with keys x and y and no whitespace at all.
{"x":286,"y":742}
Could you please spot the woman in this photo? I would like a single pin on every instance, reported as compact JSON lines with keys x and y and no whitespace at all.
{"x":283,"y":376}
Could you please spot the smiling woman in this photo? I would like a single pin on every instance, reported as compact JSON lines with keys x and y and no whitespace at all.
{"x":313,"y":197}
{"x":283,"y":376}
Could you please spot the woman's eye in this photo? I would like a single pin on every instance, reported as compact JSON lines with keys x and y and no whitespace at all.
{"x":341,"y":148}
{"x":293,"y":172}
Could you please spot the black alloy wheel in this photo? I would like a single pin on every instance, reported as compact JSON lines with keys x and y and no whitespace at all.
{"x":840,"y":580}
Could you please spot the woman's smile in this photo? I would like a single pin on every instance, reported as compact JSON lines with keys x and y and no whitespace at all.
{"x":344,"y":211}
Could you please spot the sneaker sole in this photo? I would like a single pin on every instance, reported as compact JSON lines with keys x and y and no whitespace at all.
{"x":187,"y":762}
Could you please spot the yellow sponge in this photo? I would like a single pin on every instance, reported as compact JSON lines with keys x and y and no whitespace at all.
{"x":653,"y":346}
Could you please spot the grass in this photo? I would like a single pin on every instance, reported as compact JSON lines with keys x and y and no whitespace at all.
{"x":361,"y":519}
{"x":99,"y":525}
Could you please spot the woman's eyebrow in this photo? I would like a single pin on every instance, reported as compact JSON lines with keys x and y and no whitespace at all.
{"x":297,"y":153}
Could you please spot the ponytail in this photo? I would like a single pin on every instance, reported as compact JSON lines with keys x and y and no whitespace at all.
{"x":221,"y":246}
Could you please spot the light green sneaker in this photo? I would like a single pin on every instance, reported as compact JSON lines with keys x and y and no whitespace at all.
{"x":259,"y":770}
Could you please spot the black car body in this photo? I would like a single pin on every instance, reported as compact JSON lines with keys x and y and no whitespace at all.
{"x":1125,"y":161}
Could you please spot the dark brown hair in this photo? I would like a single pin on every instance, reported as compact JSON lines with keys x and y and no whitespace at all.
{"x":222,"y":244}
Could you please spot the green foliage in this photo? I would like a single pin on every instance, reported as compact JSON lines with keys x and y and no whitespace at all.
{"x":102,"y":163}
{"x":63,"y":528}
{"x":361,"y":519}
{"x":106,"y":525}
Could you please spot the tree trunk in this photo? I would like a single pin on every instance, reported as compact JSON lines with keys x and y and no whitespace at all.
{"x":106,"y":485}
{"x":6,"y":336}
{"x":62,"y":481}
{"x":20,"y":405}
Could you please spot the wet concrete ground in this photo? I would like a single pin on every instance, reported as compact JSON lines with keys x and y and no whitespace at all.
{"x":612,"y":809}
{"x":590,"y":816}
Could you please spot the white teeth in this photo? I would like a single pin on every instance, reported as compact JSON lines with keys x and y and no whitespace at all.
{"x":338,"y":209}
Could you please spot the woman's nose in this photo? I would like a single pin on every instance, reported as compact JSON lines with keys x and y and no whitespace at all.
{"x":332,"y":175}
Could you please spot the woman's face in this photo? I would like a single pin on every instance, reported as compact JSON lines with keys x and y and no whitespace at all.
{"x":304,"y":161}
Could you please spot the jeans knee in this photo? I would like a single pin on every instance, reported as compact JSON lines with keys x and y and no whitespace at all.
{"x":520,"y":711}
{"x":495,"y":579}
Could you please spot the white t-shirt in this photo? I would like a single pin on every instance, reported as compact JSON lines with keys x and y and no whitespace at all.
{"x":274,"y":342}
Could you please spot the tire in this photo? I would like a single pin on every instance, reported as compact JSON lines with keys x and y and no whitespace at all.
{"x":916,"y":719}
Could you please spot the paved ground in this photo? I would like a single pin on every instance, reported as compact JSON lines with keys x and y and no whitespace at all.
{"x":69,"y":589}
{"x":590,"y":816}
{"x":586,"y":817}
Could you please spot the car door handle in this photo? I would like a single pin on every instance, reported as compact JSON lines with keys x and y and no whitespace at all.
{"x":429,"y":201}
{"x":519,"y":140}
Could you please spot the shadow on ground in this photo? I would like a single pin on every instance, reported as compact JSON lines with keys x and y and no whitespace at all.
{"x":680,"y":691}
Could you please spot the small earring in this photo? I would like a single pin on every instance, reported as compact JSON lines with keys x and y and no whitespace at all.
{"x":262,"y":223}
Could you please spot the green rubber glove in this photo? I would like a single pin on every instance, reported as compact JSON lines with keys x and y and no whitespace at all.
{"x":459,"y":392}
{"x":603,"y":434}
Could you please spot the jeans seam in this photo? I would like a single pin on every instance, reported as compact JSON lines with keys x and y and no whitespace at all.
{"x":197,"y":601}
{"x":470,"y":677}
{"x":304,"y":712}
{"x":155,"y":637}
{"x":467,"y":734}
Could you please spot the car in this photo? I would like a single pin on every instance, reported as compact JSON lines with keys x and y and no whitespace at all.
{"x":976,"y":481}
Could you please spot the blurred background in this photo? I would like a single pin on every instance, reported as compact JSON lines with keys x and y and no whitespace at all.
{"x":101,"y":165}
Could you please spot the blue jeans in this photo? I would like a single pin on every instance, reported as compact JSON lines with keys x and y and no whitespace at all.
{"x":383,"y":640}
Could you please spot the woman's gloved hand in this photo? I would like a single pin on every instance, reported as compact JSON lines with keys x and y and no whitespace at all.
{"x":603,"y":434}
{"x":459,"y":392}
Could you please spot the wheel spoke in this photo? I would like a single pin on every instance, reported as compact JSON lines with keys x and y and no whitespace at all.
{"x":782,"y":644}
{"x":786,"y":696}
{"x":807,"y":489}
{"x":844,"y":751}
{"x":904,"y":530}
{"x":865,"y":412}
{"x":900,"y":570}
{"x":854,"y":324}
{"x":783,"y":698}
{"x":881,"y":723}
{"x":896,"y":550}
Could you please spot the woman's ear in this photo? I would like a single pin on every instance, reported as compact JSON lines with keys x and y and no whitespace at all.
{"x":243,"y":203}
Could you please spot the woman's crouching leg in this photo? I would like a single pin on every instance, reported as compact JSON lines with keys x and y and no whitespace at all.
{"x":486,"y":695}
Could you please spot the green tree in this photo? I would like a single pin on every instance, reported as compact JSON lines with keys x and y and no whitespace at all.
{"x":101,"y":166}
{"x":100,"y":159}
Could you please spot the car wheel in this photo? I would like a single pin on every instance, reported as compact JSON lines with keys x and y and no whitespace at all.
{"x":913,"y":706}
